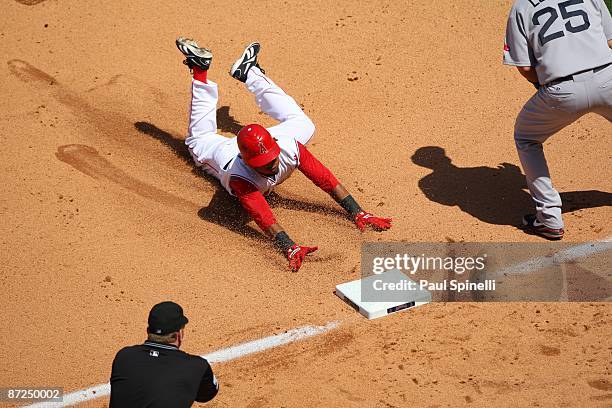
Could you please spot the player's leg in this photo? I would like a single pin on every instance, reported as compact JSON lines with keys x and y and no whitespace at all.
{"x":271,"y":99}
{"x":202,"y":139}
{"x":203,"y":109}
{"x":547,"y":112}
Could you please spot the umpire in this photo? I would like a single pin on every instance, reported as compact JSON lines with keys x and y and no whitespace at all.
{"x":157,"y":374}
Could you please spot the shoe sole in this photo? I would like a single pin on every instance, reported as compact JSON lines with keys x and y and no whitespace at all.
{"x":532,"y":231}
{"x":539,"y":231}
{"x":246,"y":55}
{"x":188,"y":50}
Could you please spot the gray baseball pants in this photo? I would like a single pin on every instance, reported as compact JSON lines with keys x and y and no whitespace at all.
{"x":552,"y":108}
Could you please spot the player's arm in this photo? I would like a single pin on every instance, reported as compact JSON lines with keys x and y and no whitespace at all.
{"x":209,"y":387}
{"x":257,"y":207}
{"x":529,"y":73}
{"x":326,"y":181}
{"x":517,"y":51}
{"x":606,"y":21}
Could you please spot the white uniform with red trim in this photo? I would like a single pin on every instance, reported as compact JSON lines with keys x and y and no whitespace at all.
{"x":220,"y":157}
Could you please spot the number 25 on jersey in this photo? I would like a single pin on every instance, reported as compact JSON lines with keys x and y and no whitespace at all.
{"x":548,"y":15}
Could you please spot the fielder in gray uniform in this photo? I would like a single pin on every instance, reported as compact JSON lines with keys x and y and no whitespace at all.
{"x":564,"y":49}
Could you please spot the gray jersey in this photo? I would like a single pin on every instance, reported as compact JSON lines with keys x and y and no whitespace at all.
{"x":558,"y":38}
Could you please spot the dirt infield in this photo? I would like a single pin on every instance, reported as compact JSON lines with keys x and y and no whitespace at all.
{"x":103,"y":214}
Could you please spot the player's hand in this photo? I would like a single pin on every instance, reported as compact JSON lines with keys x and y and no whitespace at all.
{"x":296,"y":255}
{"x":363,"y":219}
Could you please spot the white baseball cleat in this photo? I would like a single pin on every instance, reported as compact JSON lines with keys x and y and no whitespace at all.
{"x":195,"y":56}
{"x":247,"y":60}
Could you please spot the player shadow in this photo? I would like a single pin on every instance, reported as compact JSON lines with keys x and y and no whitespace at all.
{"x":176,"y":145}
{"x":495,"y":195}
{"x":226,"y":122}
{"x":224,"y":209}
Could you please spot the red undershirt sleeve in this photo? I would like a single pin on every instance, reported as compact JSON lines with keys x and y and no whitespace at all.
{"x":315,"y":171}
{"x":253,"y":202}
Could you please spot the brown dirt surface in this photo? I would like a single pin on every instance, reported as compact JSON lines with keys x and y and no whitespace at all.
{"x":103,"y":214}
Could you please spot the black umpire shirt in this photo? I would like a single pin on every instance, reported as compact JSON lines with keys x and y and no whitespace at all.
{"x":156,"y":375}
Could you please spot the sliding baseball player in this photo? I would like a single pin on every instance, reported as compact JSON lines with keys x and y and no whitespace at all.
{"x":250,"y":165}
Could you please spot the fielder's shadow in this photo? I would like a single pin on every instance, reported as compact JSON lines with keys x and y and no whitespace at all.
{"x":495,"y":195}
{"x":224,"y":209}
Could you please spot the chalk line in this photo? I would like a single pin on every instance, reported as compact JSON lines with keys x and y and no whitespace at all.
{"x":564,"y":256}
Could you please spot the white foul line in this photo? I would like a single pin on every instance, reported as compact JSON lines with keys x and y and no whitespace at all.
{"x":219,"y":356}
{"x":564,"y":256}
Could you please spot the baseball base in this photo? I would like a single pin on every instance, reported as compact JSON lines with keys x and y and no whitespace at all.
{"x":384,"y":302}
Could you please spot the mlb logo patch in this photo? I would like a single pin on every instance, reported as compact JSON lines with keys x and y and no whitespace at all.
{"x":154,"y":353}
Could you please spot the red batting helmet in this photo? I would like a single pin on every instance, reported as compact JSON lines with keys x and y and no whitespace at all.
{"x":257,"y":147}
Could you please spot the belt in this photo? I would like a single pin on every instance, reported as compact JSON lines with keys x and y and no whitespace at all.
{"x":570,"y":77}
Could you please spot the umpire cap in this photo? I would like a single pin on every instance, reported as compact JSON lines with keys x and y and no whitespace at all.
{"x":165,"y":318}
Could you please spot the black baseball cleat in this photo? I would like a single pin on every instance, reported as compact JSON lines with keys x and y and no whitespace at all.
{"x":195,"y":56}
{"x":531,"y":225}
{"x":247,"y":60}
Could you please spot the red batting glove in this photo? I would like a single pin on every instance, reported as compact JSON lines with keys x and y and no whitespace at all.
{"x":296,"y":255}
{"x":377,"y":223}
